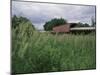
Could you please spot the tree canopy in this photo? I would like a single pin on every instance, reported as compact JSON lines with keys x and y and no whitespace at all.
{"x":93,"y":22}
{"x":22,"y":25}
{"x":54,"y":22}
{"x":16,"y":21}
{"x":82,"y":24}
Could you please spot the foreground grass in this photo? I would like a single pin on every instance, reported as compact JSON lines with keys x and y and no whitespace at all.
{"x":43,"y":52}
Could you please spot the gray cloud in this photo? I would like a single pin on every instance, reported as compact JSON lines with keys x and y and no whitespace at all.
{"x":39,"y":13}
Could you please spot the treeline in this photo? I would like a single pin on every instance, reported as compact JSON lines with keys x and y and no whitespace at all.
{"x":48,"y":26}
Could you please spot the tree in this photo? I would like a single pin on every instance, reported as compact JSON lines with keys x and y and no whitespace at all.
{"x":93,"y":22}
{"x":86,"y":25}
{"x":21,"y":25}
{"x":14,"y":21}
{"x":54,"y":22}
{"x":18,"y":20}
{"x":82,"y":25}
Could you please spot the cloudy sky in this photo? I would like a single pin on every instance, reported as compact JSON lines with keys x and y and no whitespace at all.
{"x":39,"y":13}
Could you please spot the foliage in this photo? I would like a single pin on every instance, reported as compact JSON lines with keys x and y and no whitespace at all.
{"x":82,"y":25}
{"x":18,"y":20}
{"x":54,"y":22}
{"x":22,"y":25}
{"x":93,"y":22}
{"x":44,"y":52}
{"x":34,"y":52}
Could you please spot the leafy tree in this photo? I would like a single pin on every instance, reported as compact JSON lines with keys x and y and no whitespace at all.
{"x":93,"y":22}
{"x":21,"y":25}
{"x":16,"y":21}
{"x":86,"y":25}
{"x":82,"y":25}
{"x":54,"y":22}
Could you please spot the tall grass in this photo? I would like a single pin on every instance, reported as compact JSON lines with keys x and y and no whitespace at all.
{"x":44,"y":52}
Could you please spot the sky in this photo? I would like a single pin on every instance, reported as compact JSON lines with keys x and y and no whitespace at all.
{"x":39,"y":13}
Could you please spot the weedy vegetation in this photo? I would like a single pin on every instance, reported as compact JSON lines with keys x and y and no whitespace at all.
{"x":35,"y":52}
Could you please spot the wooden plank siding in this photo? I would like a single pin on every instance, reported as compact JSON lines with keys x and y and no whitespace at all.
{"x":62,"y":28}
{"x":67,"y":28}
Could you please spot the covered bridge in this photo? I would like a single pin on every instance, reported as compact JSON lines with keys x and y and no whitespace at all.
{"x":71,"y":28}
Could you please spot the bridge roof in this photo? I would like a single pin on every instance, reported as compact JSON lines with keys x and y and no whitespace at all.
{"x":83,"y":28}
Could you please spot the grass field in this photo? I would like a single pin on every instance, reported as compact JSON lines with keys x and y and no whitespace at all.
{"x":44,"y":52}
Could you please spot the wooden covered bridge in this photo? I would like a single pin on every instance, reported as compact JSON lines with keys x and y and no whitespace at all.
{"x":67,"y":29}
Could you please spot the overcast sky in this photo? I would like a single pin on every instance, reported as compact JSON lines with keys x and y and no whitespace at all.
{"x":39,"y":13}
